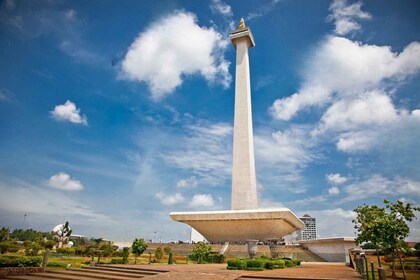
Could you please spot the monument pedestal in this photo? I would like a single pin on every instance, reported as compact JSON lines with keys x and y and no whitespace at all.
{"x":241,"y":225}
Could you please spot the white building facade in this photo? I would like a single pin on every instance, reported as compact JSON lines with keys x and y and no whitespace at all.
{"x":309,"y":232}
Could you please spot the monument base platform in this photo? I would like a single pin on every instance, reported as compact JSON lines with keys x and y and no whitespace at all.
{"x":241,"y":225}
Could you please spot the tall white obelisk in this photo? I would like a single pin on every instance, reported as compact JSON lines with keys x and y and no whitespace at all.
{"x":244,"y":222}
{"x":244,"y":190}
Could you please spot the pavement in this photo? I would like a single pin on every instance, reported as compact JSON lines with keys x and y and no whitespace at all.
{"x":219,"y":272}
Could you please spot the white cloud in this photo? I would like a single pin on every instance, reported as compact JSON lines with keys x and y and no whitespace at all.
{"x":263,"y":10}
{"x":206,"y":151}
{"x":169,"y":199}
{"x":341,"y":68}
{"x":345,"y":16}
{"x":218,"y":7}
{"x":187,"y":183}
{"x":62,"y":181}
{"x":355,"y":141}
{"x":173,"y":48}
{"x":6,"y":95}
{"x":333,"y":190}
{"x":69,"y":112}
{"x":202,"y":200}
{"x":377,"y":185}
{"x":282,"y":156}
{"x":47,"y":207}
{"x":372,"y":107}
{"x":336,"y":179}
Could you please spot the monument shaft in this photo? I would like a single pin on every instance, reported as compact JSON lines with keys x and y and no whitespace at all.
{"x":244,"y":223}
{"x":244,"y":191}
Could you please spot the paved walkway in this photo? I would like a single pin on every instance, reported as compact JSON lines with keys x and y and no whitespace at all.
{"x":219,"y":272}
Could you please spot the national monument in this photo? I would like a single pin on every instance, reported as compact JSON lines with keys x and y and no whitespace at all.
{"x":245,"y":221}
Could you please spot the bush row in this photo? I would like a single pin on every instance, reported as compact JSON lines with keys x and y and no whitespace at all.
{"x":210,"y":258}
{"x":260,"y":264}
{"x":16,"y":261}
{"x":56,"y":264}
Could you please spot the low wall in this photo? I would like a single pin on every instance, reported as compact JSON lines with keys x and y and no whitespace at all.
{"x":16,"y":271}
{"x":331,"y":249}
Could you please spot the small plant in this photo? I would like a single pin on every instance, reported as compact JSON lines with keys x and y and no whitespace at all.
{"x":158,"y":253}
{"x":167,"y":250}
{"x":200,"y":252}
{"x":170,"y":258}
{"x":125,"y":253}
{"x":138,"y":247}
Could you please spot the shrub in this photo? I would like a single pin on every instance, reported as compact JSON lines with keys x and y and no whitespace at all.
{"x":200,"y":252}
{"x":279,"y":264}
{"x":4,"y":247}
{"x":236,"y":264}
{"x":15,"y":261}
{"x":32,"y":249}
{"x":66,"y":251}
{"x":170,"y":258}
{"x":215,"y":258}
{"x":269,"y":265}
{"x":159,"y":253}
{"x":255,"y":264}
{"x":117,"y":261}
{"x":56,"y":264}
{"x":289,"y":263}
{"x":125,"y":254}
{"x":167,"y":250}
{"x":296,"y":262}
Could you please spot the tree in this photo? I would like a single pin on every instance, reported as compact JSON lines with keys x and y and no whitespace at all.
{"x":385,"y":227}
{"x":138,"y":247}
{"x":200,"y":252}
{"x":4,"y":234}
{"x":367,"y":226}
{"x":159,"y":253}
{"x":167,"y":249}
{"x":125,"y":254}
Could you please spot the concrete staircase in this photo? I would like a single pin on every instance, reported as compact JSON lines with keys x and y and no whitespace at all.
{"x":109,"y":272}
{"x":288,"y":251}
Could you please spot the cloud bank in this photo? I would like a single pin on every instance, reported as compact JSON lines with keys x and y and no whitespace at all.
{"x":173,"y":48}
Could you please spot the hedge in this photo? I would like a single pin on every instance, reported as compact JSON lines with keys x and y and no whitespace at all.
{"x":117,"y":261}
{"x":260,"y":264}
{"x":279,"y":264}
{"x":56,"y":264}
{"x":236,"y":264}
{"x":16,"y":261}
{"x":255,"y":264}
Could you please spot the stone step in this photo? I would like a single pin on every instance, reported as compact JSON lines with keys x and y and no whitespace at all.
{"x":106,"y":272}
{"x":29,"y":277}
{"x":78,"y":275}
{"x":124,"y":269}
{"x":102,"y":274}
{"x":49,"y":276}
{"x":130,"y":267}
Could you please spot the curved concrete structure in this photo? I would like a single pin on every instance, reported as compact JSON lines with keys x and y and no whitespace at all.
{"x":240,"y":225}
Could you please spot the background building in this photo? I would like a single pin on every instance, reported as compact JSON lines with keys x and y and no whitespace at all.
{"x":309,"y":232}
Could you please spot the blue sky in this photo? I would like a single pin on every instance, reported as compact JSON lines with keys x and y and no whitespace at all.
{"x":113,"y":114}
